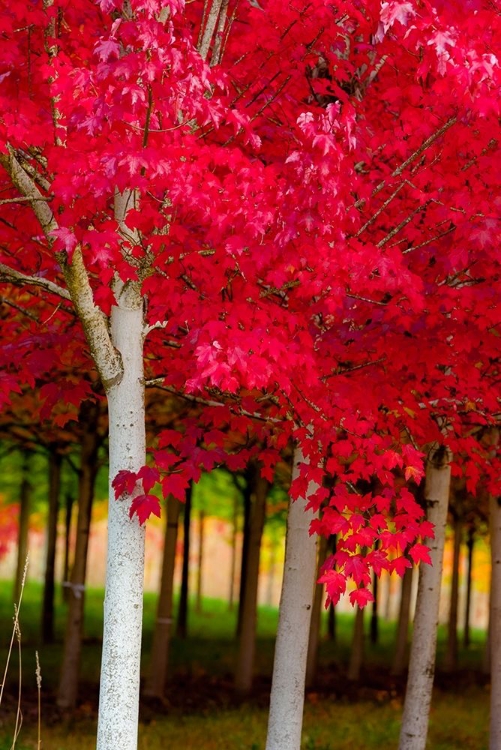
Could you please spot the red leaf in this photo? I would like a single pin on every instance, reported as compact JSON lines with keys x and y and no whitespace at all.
{"x":175,"y":485}
{"x":420,"y":553}
{"x":143,"y":506}
{"x":361,"y":597}
{"x":124,"y":482}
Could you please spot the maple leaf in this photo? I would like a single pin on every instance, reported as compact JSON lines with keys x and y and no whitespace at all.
{"x":143,"y":506}
{"x":124,"y":482}
{"x":361,"y":597}
{"x":420,"y":553}
{"x":175,"y":485}
{"x":335,"y":585}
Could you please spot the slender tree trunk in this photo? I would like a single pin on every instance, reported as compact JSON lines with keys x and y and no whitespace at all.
{"x":24,"y":522}
{"x":271,"y":571}
{"x":157,"y":677}
{"x":182,"y":615}
{"x":470,"y":541}
{"x":357,"y":647}
{"x":289,"y":668}
{"x":247,"y":637}
{"x":400,"y":656}
{"x":233,"y":566}
{"x":50,"y":559}
{"x":495,"y":624}
{"x":374,"y":631}
{"x":451,"y":655}
{"x":67,"y":545}
{"x":200,"y":566}
{"x":316,"y":620}
{"x":89,"y":444}
{"x":331,"y":615}
{"x":245,"y":549}
{"x":123,"y":604}
{"x":422,"y":660}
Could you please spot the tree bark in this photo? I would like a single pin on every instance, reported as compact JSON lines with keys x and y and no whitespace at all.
{"x":451,"y":655}
{"x":200,"y":565}
{"x":357,"y":647}
{"x":234,"y":529}
{"x":400,"y":657}
{"x":414,"y":728}
{"x":287,"y":690}
{"x":24,"y":522}
{"x":374,"y":630}
{"x":182,"y":615}
{"x":50,"y":559}
{"x":123,"y":604}
{"x":155,"y":685}
{"x":247,"y":637}
{"x":495,"y":624}
{"x":89,"y":445}
{"x":316,"y":620}
{"x":247,"y":492}
{"x":470,"y":542}
{"x":67,"y":546}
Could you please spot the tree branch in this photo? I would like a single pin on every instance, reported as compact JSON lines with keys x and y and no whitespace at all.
{"x":16,"y":277}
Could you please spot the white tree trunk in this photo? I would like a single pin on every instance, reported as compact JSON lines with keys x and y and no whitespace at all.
{"x":289,"y":669}
{"x":423,"y":650}
{"x":495,"y":625}
{"x":123,"y":605}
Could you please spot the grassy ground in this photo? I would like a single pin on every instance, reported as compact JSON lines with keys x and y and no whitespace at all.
{"x":200,"y":711}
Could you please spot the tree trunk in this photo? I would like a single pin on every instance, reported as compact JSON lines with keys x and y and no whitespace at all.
{"x":233,"y":566}
{"x":67,"y":545}
{"x":272,"y":561}
{"x":89,"y":445}
{"x":451,"y":655}
{"x":470,"y":541}
{"x":123,"y":604}
{"x":422,"y":660}
{"x":182,"y":615}
{"x":495,"y":624}
{"x":314,"y":637}
{"x":247,"y":638}
{"x":245,"y":549}
{"x":24,"y":522}
{"x":289,"y":669}
{"x":331,"y":616}
{"x":201,"y":534}
{"x":374,"y":631}
{"x":357,"y":647}
{"x":400,"y":656}
{"x":157,"y":677}
{"x":50,"y":559}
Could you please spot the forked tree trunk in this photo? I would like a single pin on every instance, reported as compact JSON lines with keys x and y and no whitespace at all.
{"x":200,"y":565}
{"x":451,"y":655}
{"x":182,"y":615}
{"x":24,"y":522}
{"x":123,"y":604}
{"x":316,"y":618}
{"x":50,"y":558}
{"x":155,"y":685}
{"x":470,"y":542}
{"x":495,"y":624}
{"x":287,"y":691}
{"x":400,"y":657}
{"x":247,"y":637}
{"x":357,"y":647}
{"x":89,"y":445}
{"x":423,"y":651}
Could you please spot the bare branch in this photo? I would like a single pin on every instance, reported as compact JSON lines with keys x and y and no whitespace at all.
{"x":16,"y":277}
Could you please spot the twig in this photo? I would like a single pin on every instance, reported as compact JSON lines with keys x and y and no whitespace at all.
{"x":17,"y":276}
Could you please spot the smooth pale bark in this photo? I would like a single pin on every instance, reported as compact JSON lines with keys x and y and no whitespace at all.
{"x":495,"y":625}
{"x":50,"y":558}
{"x":182,"y":615}
{"x":289,"y":668}
{"x":123,"y":604}
{"x":155,"y":685}
{"x":316,"y":619}
{"x":67,"y":546}
{"x":357,"y":647}
{"x":415,"y":718}
{"x":247,"y":637}
{"x":400,"y":657}
{"x":470,"y":542}
{"x":89,"y":444}
{"x":24,"y":519}
{"x":451,"y":654}
{"x":200,"y":563}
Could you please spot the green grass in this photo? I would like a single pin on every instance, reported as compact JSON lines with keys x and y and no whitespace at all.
{"x":334,"y":720}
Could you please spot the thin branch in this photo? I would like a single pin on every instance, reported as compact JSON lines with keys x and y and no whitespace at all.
{"x":5,"y":301}
{"x":16,"y":277}
{"x":24,"y":200}
{"x":402,"y":224}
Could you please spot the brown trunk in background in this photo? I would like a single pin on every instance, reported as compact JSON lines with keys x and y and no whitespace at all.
{"x":245,"y":548}
{"x":182,"y":615}
{"x":258,"y":487}
{"x":470,"y":541}
{"x":316,"y":619}
{"x":374,"y":630}
{"x":155,"y":684}
{"x":400,"y":657}
{"x":233,"y":566}
{"x":331,"y":615}
{"x":201,"y":535}
{"x":67,"y":546}
{"x":24,"y":522}
{"x":357,"y":647}
{"x":89,"y":446}
{"x":495,"y":624}
{"x":50,"y":557}
{"x":451,"y":655}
